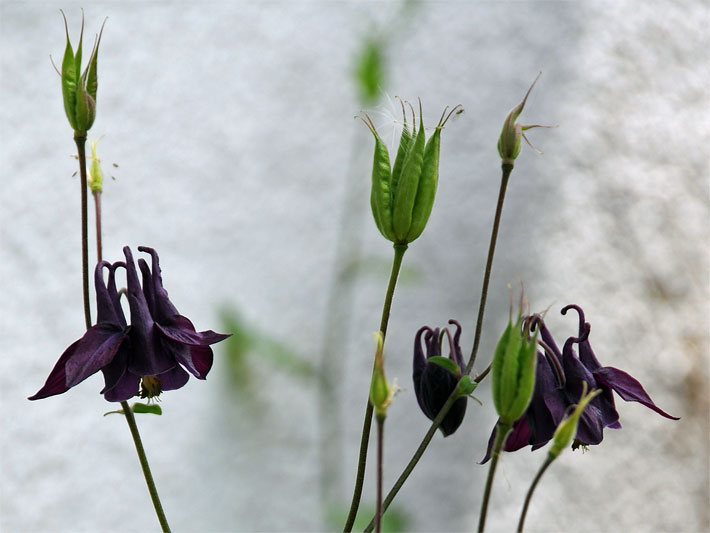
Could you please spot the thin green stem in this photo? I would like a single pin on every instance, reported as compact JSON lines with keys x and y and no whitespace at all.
{"x":399,"y":250}
{"x":97,"y":213}
{"x":502,"y":432}
{"x":506,"y":170}
{"x":80,"y":140}
{"x":548,"y":462}
{"x":380,"y":465}
{"x":146,"y":468}
{"x":415,"y":459}
{"x":130,"y":419}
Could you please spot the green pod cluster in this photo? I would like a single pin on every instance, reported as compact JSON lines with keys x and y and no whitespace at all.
{"x":513,"y":372}
{"x":402,"y":195}
{"x":79,"y":89}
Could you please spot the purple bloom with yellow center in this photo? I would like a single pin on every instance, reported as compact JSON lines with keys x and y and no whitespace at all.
{"x":143,"y":358}
{"x":433,"y":384}
{"x":558,"y":386}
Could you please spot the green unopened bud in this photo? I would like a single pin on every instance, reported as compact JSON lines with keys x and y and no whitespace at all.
{"x":510,"y":140}
{"x":402,"y":195}
{"x":567,"y":429}
{"x":381,"y":393}
{"x":79,"y":89}
{"x":513,"y":372}
{"x":96,"y":175}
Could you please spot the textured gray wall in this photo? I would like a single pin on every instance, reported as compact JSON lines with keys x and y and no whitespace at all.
{"x":232,"y":125}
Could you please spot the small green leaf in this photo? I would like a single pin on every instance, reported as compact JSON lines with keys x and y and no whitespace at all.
{"x":445,"y":363}
{"x":119,"y":412}
{"x":152,"y":408}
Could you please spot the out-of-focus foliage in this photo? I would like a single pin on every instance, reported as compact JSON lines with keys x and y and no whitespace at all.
{"x":247,"y":346}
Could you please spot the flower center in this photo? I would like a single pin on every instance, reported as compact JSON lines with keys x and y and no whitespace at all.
{"x":150,"y":387}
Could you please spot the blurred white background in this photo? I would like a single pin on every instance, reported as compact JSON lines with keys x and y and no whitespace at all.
{"x":240,"y":162}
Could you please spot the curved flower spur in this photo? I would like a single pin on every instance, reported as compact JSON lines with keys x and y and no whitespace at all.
{"x":143,"y":358}
{"x":560,"y":380}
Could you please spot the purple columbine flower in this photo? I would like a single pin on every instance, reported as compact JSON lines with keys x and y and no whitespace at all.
{"x":434,"y":384}
{"x":144,"y":358}
{"x":559,"y":386}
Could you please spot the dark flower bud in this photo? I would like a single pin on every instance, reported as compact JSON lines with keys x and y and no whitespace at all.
{"x":512,"y":134}
{"x":434,"y":380}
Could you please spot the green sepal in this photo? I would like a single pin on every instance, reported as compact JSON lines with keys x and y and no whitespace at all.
{"x":466,"y":386}
{"x":140,"y":408}
{"x":406,"y":192}
{"x":445,"y":363}
{"x":148,"y":408}
{"x":380,"y":195}
{"x":428,"y":182}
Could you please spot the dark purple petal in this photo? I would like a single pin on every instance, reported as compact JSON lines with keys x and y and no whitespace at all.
{"x":198,"y":361}
{"x":419,"y":364}
{"x":590,"y":429}
{"x":547,"y":338}
{"x":148,"y":289}
{"x":57,"y":381}
{"x":557,"y":406}
{"x":173,"y":379}
{"x":456,"y":354}
{"x":114,"y":371}
{"x":538,"y":414}
{"x":95,"y":350}
{"x":147,"y":357}
{"x":113,"y":293}
{"x":628,"y":388}
{"x":454,"y":417}
{"x":164,"y":309}
{"x":105,"y":309}
{"x":127,"y":387}
{"x":181,"y":330}
{"x":518,"y":438}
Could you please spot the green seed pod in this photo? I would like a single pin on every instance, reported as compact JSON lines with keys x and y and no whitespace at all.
{"x":513,"y":372}
{"x":566,"y":431}
{"x":402,"y":199}
{"x":79,"y":90}
{"x":406,"y":192}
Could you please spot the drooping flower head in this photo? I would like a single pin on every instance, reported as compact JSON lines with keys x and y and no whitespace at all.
{"x":144,"y":357}
{"x":560,"y":381}
{"x":433,"y":384}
